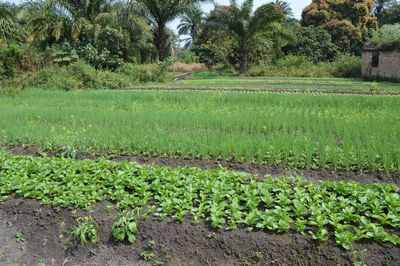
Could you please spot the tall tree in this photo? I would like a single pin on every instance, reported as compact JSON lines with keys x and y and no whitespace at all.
{"x":53,"y":21}
{"x":10,"y":29}
{"x":391,"y":15}
{"x":347,"y":21}
{"x":380,"y":7}
{"x":285,"y":8}
{"x":159,"y":13}
{"x":190,"y":25}
{"x":241,"y":22}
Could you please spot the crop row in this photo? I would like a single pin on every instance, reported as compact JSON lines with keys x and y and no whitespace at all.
{"x":346,"y":212}
{"x":301,"y":131}
{"x":282,"y":83}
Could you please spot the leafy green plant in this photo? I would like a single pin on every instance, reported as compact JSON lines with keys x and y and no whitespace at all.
{"x":387,"y":37}
{"x":125,"y":227}
{"x":86,"y":231}
{"x":20,"y":238}
{"x":345,"y":211}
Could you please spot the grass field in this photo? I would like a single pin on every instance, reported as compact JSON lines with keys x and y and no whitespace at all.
{"x":316,"y":131}
{"x":215,"y":81}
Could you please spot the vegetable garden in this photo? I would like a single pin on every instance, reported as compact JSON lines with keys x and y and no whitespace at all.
{"x":95,"y":206}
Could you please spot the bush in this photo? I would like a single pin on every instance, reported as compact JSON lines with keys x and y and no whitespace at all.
{"x":10,"y":56}
{"x":83,"y":72}
{"x":183,"y":67}
{"x":108,"y":80}
{"x":187,"y":56}
{"x":309,"y":70}
{"x":300,"y":66}
{"x":293,"y":61}
{"x":63,"y":54}
{"x":80,"y":75}
{"x":387,"y":37}
{"x":100,"y":59}
{"x":348,"y":66}
{"x":314,"y":43}
{"x":146,"y":72}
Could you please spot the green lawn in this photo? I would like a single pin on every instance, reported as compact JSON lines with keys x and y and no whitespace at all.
{"x":343,"y":131}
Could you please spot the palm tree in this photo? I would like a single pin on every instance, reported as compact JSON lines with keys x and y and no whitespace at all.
{"x":159,"y":13}
{"x":285,"y":8}
{"x":244,"y":24}
{"x":280,"y":35}
{"x":54,"y":21}
{"x":10,"y":29}
{"x":190,"y":26}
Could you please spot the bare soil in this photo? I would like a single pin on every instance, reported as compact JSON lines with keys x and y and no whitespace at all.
{"x":45,"y":231}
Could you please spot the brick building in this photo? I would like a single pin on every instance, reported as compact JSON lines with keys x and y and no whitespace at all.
{"x":381,"y":65}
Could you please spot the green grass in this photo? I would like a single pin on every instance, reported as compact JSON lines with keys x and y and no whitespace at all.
{"x":215,"y":81}
{"x":344,"y":211}
{"x":336,"y":131}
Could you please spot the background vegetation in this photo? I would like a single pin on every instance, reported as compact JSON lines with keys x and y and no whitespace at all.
{"x":123,"y":41}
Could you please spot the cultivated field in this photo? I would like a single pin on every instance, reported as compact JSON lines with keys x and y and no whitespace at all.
{"x":136,"y":176}
{"x":300,"y":131}
{"x":214,"y":81}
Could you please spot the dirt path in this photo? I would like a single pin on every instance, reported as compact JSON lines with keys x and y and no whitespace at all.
{"x":45,"y":230}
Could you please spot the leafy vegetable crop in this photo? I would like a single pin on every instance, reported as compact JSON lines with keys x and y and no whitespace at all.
{"x":86,"y":231}
{"x":344,"y":211}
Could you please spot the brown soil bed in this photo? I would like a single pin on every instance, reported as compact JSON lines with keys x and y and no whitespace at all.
{"x":45,"y":230}
{"x":253,"y":168}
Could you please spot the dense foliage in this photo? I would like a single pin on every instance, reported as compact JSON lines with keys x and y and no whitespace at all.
{"x":106,"y":33}
{"x":391,"y":15}
{"x":347,"y":21}
{"x":314,"y":43}
{"x":387,"y":37}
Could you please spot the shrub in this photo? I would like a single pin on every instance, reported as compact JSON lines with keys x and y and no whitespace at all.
{"x":187,"y":56}
{"x":348,"y":66}
{"x":301,"y":66}
{"x":314,"y":43}
{"x":63,"y":54}
{"x":387,"y":37}
{"x":184,"y":67}
{"x":108,"y":80}
{"x":10,"y":56}
{"x":293,"y":61}
{"x":308,"y":70}
{"x":100,"y":59}
{"x":146,"y":72}
{"x":84,"y":73}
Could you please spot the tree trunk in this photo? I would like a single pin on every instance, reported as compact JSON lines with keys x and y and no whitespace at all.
{"x":242,"y":58}
{"x":160,"y":41}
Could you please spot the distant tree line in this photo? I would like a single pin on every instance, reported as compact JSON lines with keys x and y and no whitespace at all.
{"x":106,"y":33}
